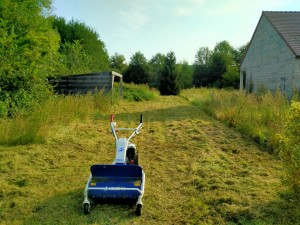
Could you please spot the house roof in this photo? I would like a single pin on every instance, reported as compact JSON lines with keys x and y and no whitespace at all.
{"x":287,"y":24}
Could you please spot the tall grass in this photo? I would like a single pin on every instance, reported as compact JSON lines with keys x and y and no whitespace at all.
{"x":259,"y":116}
{"x":35,"y":125}
{"x":198,"y":172}
{"x":60,"y":110}
{"x":267,"y":118}
{"x":137,"y":92}
{"x":290,"y":146}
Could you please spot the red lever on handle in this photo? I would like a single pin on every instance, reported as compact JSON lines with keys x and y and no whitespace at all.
{"x":112,"y":118}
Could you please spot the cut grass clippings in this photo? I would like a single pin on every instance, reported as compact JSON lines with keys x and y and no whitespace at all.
{"x":198,"y":171}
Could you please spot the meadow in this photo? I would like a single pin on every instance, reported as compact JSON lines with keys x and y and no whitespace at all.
{"x":198,"y":169}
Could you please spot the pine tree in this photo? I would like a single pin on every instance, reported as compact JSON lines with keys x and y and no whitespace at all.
{"x":169,"y":82}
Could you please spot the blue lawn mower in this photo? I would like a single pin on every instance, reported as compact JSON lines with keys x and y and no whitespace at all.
{"x":123,"y":179}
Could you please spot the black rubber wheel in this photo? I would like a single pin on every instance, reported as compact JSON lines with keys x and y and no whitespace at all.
{"x":136,"y":159}
{"x":138,"y":210}
{"x":86,"y":208}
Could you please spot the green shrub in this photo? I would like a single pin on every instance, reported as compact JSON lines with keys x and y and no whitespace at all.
{"x":3,"y":109}
{"x":137,"y":92}
{"x":290,"y":147}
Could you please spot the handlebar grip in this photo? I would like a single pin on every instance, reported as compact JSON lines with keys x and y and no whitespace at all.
{"x":141,"y":119}
{"x":112,"y":118}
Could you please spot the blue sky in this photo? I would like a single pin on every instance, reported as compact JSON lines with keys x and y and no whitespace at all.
{"x":161,"y":26}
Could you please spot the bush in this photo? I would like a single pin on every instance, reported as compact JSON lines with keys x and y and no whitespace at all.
{"x":134,"y":92}
{"x":3,"y":109}
{"x":290,"y":147}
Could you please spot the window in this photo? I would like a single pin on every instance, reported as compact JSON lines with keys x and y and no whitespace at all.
{"x":244,"y":79}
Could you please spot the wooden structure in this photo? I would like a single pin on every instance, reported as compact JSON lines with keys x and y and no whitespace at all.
{"x":272,"y":60}
{"x":86,"y":83}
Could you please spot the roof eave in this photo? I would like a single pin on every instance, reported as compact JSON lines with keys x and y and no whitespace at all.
{"x":251,"y":39}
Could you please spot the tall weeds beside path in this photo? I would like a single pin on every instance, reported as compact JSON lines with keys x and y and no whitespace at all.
{"x":268,"y":118}
{"x":36,"y":124}
{"x":198,"y":171}
{"x":43,"y":119}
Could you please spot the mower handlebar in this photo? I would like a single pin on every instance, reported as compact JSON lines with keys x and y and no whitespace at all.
{"x":114,"y":129}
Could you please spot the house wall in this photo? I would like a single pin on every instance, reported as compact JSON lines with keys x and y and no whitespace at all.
{"x":269,"y":62}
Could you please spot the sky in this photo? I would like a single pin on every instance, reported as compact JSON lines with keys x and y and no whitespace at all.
{"x":162,"y":26}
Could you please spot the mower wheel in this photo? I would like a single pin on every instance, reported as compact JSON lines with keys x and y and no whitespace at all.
{"x":86,"y":208}
{"x":138,"y":210}
{"x":136,"y":159}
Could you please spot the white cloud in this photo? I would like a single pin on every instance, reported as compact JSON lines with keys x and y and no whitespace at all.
{"x":133,"y":19}
{"x":183,"y":11}
{"x":133,"y":16}
{"x":196,"y":2}
{"x":187,"y":7}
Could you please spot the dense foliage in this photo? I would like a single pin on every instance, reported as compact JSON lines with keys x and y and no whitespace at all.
{"x":156,"y":64}
{"x":28,"y":54}
{"x":169,"y":82}
{"x":141,"y":92}
{"x":290,"y":148}
{"x":212,"y":68}
{"x":138,"y":69}
{"x":81,"y":47}
{"x":118,"y":63}
{"x":35,"y":45}
{"x":218,"y":68}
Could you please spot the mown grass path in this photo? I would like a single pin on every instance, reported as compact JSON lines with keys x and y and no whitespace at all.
{"x":198,"y":171}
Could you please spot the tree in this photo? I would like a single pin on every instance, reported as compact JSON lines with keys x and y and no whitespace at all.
{"x":218,"y":68}
{"x":138,"y":70}
{"x":201,"y":67}
{"x":28,"y":54}
{"x":240,"y":53}
{"x":91,"y":44}
{"x":185,"y":74}
{"x":202,"y":56}
{"x":221,"y":60}
{"x":170,"y":83}
{"x":231,"y":78}
{"x":223,"y":47}
{"x":118,"y":63}
{"x":74,"y":58}
{"x":156,"y":65}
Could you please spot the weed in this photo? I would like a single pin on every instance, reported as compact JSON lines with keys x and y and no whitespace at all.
{"x":56,"y":111}
{"x":133,"y":92}
{"x":268,"y":118}
{"x":198,"y":171}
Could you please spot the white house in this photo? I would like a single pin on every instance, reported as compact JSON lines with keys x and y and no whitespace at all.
{"x":272,"y":60}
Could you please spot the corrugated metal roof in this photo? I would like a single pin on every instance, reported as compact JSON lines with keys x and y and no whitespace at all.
{"x":287,"y":25}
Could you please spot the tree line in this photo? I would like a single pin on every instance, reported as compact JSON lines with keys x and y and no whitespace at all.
{"x":35,"y":45}
{"x":212,"y":68}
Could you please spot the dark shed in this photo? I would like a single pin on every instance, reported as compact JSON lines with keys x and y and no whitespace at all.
{"x":86,"y":83}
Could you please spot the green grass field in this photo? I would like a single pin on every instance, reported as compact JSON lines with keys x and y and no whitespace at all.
{"x":198,"y":171}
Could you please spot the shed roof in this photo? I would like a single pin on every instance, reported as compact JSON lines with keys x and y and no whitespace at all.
{"x":287,"y":24}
